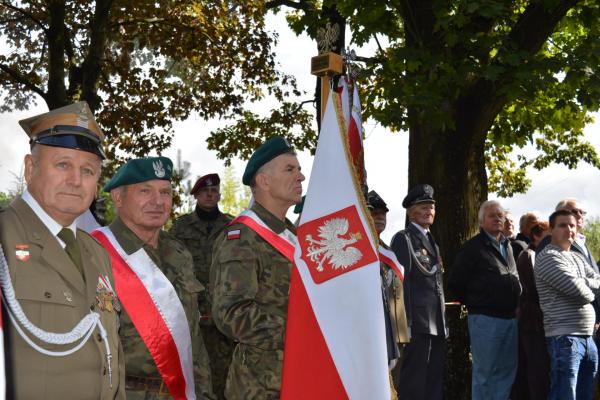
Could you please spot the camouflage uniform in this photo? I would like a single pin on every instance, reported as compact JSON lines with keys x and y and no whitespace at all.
{"x":176,"y":263}
{"x":199,"y":237}
{"x":250,"y":286}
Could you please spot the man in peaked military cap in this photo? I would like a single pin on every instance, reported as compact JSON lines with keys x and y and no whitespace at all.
{"x":198,"y":230}
{"x":164,"y":352}
{"x":250,"y":277}
{"x":422,"y":370}
{"x":58,"y":272}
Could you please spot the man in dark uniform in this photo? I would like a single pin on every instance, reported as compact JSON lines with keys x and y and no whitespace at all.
{"x":422,"y":369}
{"x":198,"y":230}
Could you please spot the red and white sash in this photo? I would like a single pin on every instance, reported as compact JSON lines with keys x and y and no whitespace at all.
{"x":285,"y":242}
{"x":156,"y":311}
{"x":389,"y":258}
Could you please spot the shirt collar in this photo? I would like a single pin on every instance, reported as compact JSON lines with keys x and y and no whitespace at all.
{"x":421,"y":229}
{"x":502,"y":240}
{"x":274,"y":223}
{"x":53,"y":226}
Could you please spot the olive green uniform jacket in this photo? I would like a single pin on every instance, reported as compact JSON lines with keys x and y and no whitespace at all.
{"x":394,"y":290}
{"x":175,"y":262}
{"x":250,"y":287}
{"x":199,"y":236}
{"x":55,"y":298}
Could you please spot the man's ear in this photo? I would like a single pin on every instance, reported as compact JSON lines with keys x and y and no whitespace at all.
{"x":262,"y":181}
{"x":117,"y":196}
{"x":29,"y":167}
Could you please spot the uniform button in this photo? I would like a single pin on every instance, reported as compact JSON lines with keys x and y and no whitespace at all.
{"x":47,"y":295}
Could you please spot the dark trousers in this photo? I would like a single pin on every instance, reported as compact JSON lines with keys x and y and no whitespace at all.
{"x":533,"y":374}
{"x":422,"y":370}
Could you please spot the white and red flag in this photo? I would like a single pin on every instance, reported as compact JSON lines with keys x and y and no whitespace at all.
{"x":335,"y":343}
{"x":343,"y":92}
{"x":355,"y":136}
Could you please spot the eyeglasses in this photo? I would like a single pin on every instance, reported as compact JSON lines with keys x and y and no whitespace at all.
{"x":578,"y":212}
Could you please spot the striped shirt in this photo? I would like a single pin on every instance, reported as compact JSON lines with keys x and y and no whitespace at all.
{"x":566,"y":285}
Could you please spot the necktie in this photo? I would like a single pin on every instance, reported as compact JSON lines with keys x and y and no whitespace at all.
{"x":431,"y":241}
{"x":72,"y":248}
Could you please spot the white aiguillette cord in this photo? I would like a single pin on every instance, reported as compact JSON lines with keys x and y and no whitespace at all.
{"x":82,"y":331}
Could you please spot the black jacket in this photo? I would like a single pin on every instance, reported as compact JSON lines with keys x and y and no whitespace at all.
{"x":483,"y":280}
{"x":423,"y":290}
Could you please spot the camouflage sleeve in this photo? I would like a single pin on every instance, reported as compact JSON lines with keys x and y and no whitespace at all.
{"x":189,"y":288}
{"x":235,"y":285}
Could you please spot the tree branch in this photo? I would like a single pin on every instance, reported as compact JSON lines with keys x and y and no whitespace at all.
{"x":25,"y":13}
{"x":91,"y":65}
{"x":485,"y":98}
{"x":300,"y":105}
{"x":300,"y":5}
{"x":22,"y":79}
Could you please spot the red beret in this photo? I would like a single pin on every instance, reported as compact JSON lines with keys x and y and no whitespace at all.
{"x":204,"y":181}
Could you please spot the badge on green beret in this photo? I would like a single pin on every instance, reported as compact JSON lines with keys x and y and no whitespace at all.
{"x":141,"y":170}
{"x":265,"y":153}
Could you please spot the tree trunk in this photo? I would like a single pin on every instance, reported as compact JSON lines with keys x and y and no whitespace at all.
{"x":440,"y":158}
{"x":91,"y":66}
{"x":57,"y":92}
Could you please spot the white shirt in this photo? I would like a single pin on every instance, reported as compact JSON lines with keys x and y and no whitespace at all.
{"x":580,"y":240}
{"x":53,"y":226}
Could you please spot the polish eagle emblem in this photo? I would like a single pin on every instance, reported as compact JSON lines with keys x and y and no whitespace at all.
{"x":159,"y":170}
{"x":334,"y":245}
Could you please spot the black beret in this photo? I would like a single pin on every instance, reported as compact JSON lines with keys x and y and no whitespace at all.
{"x":298,"y":207}
{"x":265,"y":153}
{"x":375,"y":201}
{"x":418,"y":194}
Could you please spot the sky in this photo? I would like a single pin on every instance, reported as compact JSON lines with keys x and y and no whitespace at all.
{"x":386,"y":153}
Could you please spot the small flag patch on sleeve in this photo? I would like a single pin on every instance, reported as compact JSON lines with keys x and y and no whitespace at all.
{"x":233,"y":234}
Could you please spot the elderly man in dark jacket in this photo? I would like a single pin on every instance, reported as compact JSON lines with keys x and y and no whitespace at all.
{"x":484,"y":278}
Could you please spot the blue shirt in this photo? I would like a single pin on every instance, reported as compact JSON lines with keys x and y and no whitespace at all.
{"x":500,"y":245}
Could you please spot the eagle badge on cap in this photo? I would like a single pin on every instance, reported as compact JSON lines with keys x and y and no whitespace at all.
{"x":159,"y":169}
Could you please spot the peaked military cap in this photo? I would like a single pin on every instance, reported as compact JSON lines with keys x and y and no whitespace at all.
{"x":204,"y":181}
{"x":72,"y":127}
{"x":375,"y":201}
{"x":265,"y":153}
{"x":140,"y":170}
{"x":418,"y":194}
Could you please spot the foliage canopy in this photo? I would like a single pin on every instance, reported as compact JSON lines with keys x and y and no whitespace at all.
{"x":524,"y":72}
{"x":141,"y":65}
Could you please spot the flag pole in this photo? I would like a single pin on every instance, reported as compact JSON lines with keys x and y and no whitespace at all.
{"x":325,"y":66}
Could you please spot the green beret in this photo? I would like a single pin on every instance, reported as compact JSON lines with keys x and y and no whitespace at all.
{"x":141,"y":170}
{"x":265,"y":153}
